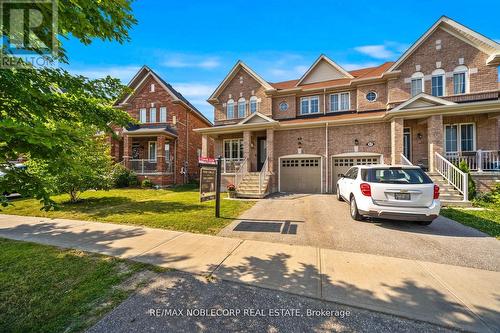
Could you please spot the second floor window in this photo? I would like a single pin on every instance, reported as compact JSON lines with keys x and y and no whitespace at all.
{"x":438,"y":83}
{"x":417,"y":83}
{"x":142,"y":115}
{"x":340,"y":102}
{"x":460,"y":80}
{"x":230,"y":109}
{"x":253,"y":104}
{"x":152,"y":115}
{"x":241,"y":107}
{"x":309,"y":105}
{"x":163,"y":114}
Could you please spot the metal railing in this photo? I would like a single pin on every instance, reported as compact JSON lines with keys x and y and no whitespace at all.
{"x":262,"y":176}
{"x":240,"y":174}
{"x":231,"y":165}
{"x":405,"y":161}
{"x":146,"y":166}
{"x":453,"y":175}
{"x":480,"y":160}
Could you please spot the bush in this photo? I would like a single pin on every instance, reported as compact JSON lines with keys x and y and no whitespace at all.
{"x":147,"y":183}
{"x":491,"y":197}
{"x":123,"y":177}
{"x":471,"y":185}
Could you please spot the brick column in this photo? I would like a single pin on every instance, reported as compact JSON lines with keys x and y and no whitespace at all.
{"x":218,"y":147}
{"x":127,"y":151}
{"x":246,"y":148}
{"x":204,"y":145}
{"x":396,"y":140}
{"x":434,"y":138}
{"x":160,"y":153}
{"x":270,"y":149}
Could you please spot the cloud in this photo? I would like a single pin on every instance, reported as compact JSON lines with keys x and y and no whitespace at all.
{"x":388,"y":50}
{"x":194,"y":89}
{"x":124,"y":73}
{"x":190,"y":61}
{"x":288,"y":73}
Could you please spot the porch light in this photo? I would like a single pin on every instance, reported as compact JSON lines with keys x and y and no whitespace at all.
{"x":356,"y":142}
{"x":419,"y":136}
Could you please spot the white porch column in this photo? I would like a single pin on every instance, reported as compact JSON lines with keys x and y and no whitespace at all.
{"x":396,"y":140}
{"x":204,"y":145}
{"x":270,"y":149}
{"x":434,"y":138}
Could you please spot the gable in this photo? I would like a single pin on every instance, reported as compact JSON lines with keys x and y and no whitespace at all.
{"x":323,"y":69}
{"x":257,"y":118}
{"x":422,"y":100}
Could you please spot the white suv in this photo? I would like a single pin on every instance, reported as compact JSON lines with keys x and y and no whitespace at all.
{"x":390,"y":192}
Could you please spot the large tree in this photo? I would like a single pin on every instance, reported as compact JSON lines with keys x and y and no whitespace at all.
{"x":46,"y":114}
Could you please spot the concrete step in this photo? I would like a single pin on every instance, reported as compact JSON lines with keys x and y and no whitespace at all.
{"x":456,"y":203}
{"x":250,"y":195}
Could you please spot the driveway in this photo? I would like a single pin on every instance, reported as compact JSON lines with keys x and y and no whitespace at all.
{"x":322,"y":221}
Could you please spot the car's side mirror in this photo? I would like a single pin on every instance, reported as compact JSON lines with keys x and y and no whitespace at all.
{"x":341,"y":175}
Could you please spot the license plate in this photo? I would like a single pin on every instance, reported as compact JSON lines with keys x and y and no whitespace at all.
{"x":402,"y":196}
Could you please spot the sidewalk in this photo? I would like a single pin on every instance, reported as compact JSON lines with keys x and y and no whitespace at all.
{"x":460,"y":297}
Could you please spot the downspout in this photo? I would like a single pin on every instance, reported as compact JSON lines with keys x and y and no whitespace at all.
{"x":186,"y":175}
{"x":324,"y":100}
{"x":175,"y":161}
{"x":326,"y":162}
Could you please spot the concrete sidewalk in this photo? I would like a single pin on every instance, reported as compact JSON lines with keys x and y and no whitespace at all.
{"x":460,"y":297}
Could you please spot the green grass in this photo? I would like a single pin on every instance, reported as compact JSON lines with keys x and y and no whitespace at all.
{"x":176,"y":209}
{"x":46,"y":289}
{"x":487,"y":220}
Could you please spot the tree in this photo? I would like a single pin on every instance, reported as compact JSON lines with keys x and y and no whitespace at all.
{"x":45,"y":113}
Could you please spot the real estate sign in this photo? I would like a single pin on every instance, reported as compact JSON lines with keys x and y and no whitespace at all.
{"x":208,"y":183}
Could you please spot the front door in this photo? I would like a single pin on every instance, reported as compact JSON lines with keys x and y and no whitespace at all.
{"x":261,"y":152}
{"x":407,"y":143}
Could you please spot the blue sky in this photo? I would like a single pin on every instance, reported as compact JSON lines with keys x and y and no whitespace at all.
{"x":193,"y":44}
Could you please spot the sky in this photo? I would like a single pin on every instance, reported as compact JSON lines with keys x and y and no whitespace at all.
{"x":194,"y":44}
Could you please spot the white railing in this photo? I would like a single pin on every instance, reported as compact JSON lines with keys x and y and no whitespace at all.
{"x":480,"y":160}
{"x":262,"y":176}
{"x":405,"y":161}
{"x":231,"y":165}
{"x":240,"y":173}
{"x":452,"y":174}
{"x":145,"y":166}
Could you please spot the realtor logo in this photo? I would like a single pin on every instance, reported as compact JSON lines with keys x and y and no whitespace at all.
{"x":29,"y":32}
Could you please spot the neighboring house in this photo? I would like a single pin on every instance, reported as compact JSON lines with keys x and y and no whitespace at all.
{"x":438,"y":102}
{"x":162,"y":146}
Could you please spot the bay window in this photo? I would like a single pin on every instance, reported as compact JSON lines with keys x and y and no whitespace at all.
{"x":309,"y":105}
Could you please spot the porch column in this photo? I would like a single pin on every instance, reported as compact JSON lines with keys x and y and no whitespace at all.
{"x":160,"y":153}
{"x":434,"y":138}
{"x":396,"y":140}
{"x":246,"y":148}
{"x":204,"y":145}
{"x":127,"y":151}
{"x":270,"y":149}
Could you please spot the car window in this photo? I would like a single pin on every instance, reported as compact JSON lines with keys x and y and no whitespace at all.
{"x":352,"y":173}
{"x":396,"y":176}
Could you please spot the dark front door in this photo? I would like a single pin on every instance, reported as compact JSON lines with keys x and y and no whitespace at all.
{"x":261,"y":152}
{"x":407,"y":143}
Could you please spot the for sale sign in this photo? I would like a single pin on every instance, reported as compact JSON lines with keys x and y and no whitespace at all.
{"x":208,"y":177}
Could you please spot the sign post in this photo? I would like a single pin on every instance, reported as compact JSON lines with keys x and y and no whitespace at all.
{"x":210,"y":181}
{"x":217,"y":187}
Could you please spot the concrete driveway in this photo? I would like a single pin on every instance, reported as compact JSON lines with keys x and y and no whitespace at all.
{"x":322,"y":221}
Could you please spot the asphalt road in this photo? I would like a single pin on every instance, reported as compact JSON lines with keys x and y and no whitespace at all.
{"x":322,"y":221}
{"x":174,"y":302}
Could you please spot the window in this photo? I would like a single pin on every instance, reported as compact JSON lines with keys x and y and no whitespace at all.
{"x":233,"y":149}
{"x":309,"y":105}
{"x":167,"y":151}
{"x":230,"y":109}
{"x":340,"y":102}
{"x":417,"y":83}
{"x":241,"y":107}
{"x":142,"y":115}
{"x":396,"y":175}
{"x":152,"y":150}
{"x":152,"y":87}
{"x":371,"y":96}
{"x":460,"y":80}
{"x":460,"y":138}
{"x":152,"y":115}
{"x":438,"y":83}
{"x":163,"y":114}
{"x":253,"y":104}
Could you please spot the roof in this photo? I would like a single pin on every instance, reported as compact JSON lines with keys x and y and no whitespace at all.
{"x":336,"y":117}
{"x":140,"y":77}
{"x":334,"y":70}
{"x":146,"y":129}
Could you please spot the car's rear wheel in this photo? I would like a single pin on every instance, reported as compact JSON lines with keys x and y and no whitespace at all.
{"x":424,"y":222}
{"x":339,"y":197}
{"x":354,"y":210}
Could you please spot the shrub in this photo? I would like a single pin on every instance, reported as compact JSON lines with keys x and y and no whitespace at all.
{"x":472,"y":186}
{"x":147,"y":183}
{"x":493,"y":196}
{"x":123,"y":177}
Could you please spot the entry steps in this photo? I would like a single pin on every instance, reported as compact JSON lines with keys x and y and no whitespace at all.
{"x":448,"y":194}
{"x":249,"y":186}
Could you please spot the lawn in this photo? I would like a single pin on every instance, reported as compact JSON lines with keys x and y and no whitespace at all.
{"x":487,"y":220}
{"x":176,"y":209}
{"x":46,"y":289}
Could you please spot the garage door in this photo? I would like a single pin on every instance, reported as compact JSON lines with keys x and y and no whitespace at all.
{"x":300,"y":175}
{"x":340,"y":165}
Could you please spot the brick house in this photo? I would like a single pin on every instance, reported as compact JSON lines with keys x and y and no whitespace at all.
{"x":438,"y":103}
{"x":162,"y":146}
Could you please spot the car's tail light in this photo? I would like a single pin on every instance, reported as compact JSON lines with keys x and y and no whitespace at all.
{"x":436,"y":192}
{"x":366,"y":189}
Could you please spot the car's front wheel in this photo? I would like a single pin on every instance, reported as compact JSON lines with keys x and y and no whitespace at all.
{"x":339,"y":197}
{"x":424,"y":222}
{"x":354,"y":210}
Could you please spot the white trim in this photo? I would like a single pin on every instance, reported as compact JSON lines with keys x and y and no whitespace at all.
{"x":423,"y":96}
{"x":329,"y":61}
{"x":300,"y":156}
{"x":257,"y":114}
{"x":376,"y":96}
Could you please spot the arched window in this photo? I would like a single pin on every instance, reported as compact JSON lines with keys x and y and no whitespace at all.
{"x":438,"y":83}
{"x":230,"y":109}
{"x":241,"y":107}
{"x":460,"y":80}
{"x":417,"y":83}
{"x":253,"y":104}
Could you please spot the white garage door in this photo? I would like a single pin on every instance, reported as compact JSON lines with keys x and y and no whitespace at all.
{"x":340,"y":165}
{"x":300,"y":175}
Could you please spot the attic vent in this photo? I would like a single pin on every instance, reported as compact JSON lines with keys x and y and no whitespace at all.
{"x":241,"y":79}
{"x":153,"y":87}
{"x":438,"y":44}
